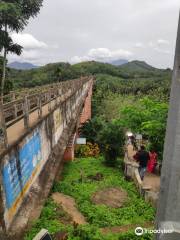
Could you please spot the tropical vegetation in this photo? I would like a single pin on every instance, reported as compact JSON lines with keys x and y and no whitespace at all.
{"x":77,"y":184}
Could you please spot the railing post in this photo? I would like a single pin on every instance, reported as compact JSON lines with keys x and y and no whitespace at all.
{"x":26,"y":112}
{"x":71,"y":106}
{"x":15,"y":105}
{"x":39,"y":99}
{"x":56,"y":97}
{"x":3,"y":133}
{"x":49,"y":101}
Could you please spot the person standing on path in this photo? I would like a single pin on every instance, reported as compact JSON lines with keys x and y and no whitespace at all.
{"x":152,"y":161}
{"x":142,"y":156}
{"x":133,"y":142}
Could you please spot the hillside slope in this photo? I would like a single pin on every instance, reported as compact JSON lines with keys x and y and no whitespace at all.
{"x":56,"y":72}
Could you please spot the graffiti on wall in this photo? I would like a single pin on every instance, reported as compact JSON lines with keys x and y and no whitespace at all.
{"x":58,"y":124}
{"x":20,"y":171}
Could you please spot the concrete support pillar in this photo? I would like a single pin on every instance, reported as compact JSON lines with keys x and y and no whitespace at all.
{"x":69,"y":152}
{"x":168,"y":213}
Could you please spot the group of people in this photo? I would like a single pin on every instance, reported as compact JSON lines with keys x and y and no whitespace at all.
{"x":147,"y":161}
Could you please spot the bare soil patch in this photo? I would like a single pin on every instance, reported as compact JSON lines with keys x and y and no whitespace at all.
{"x":69,"y":205}
{"x":111,"y":197}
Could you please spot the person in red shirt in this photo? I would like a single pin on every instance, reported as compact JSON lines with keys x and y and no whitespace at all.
{"x":152,"y":161}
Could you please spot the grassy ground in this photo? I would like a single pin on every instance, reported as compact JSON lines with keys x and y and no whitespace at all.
{"x":76,"y":184}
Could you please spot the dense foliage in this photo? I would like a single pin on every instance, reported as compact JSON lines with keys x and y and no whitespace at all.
{"x":77,"y":184}
{"x":149,"y":118}
{"x":88,"y":150}
{"x":140,"y":103}
{"x":110,"y":137}
{"x":107,"y":74}
{"x":111,"y":140}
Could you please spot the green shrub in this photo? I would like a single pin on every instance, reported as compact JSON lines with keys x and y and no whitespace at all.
{"x":112,"y":139}
{"x":88,"y":150}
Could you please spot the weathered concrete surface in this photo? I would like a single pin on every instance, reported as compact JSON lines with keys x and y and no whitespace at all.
{"x":169,"y":200}
{"x":24,"y":187}
{"x":69,"y":206}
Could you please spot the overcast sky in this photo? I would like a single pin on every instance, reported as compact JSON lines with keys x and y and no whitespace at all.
{"x":78,"y":30}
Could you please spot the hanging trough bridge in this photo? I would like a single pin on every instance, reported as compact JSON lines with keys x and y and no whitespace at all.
{"x":38,"y":129}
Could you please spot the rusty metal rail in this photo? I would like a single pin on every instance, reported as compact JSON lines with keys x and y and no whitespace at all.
{"x":19,"y":105}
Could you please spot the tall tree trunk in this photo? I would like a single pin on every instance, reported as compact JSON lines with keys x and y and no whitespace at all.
{"x":4,"y":69}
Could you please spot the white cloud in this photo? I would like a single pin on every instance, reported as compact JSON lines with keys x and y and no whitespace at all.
{"x":33,"y":49}
{"x":114,"y":24}
{"x":165,"y":51}
{"x":102,"y":54}
{"x":151,"y":44}
{"x":99,"y":53}
{"x":163,"y":41}
{"x":105,"y":53}
{"x":160,"y":46}
{"x":28,"y":41}
{"x":139,"y":45}
{"x":77,"y":59}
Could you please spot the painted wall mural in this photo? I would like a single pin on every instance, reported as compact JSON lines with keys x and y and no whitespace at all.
{"x":20,"y":171}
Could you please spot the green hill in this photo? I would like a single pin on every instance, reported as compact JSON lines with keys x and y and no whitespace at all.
{"x":137,"y":66}
{"x":56,"y":72}
{"x":142,"y":69}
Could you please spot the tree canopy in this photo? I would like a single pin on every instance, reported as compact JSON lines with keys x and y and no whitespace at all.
{"x":14,"y":16}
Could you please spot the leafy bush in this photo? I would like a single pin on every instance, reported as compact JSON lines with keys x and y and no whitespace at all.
{"x":88,"y":150}
{"x":91,"y":128}
{"x":149,"y":118}
{"x":112,"y":140}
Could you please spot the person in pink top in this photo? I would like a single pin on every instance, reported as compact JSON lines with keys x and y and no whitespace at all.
{"x":152,"y":161}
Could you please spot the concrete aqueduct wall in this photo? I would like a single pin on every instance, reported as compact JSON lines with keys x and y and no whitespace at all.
{"x":29,"y":167}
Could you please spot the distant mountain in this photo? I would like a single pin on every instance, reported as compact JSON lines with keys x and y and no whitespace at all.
{"x":22,"y":65}
{"x":119,"y":62}
{"x":63,"y":71}
{"x":138,"y":66}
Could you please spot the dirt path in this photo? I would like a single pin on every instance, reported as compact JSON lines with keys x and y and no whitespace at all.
{"x":126,"y":228}
{"x":150,"y":179}
{"x":69,"y":205}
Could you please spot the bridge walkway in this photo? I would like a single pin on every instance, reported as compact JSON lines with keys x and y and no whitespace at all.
{"x":18,"y":114}
{"x":17,"y":130}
